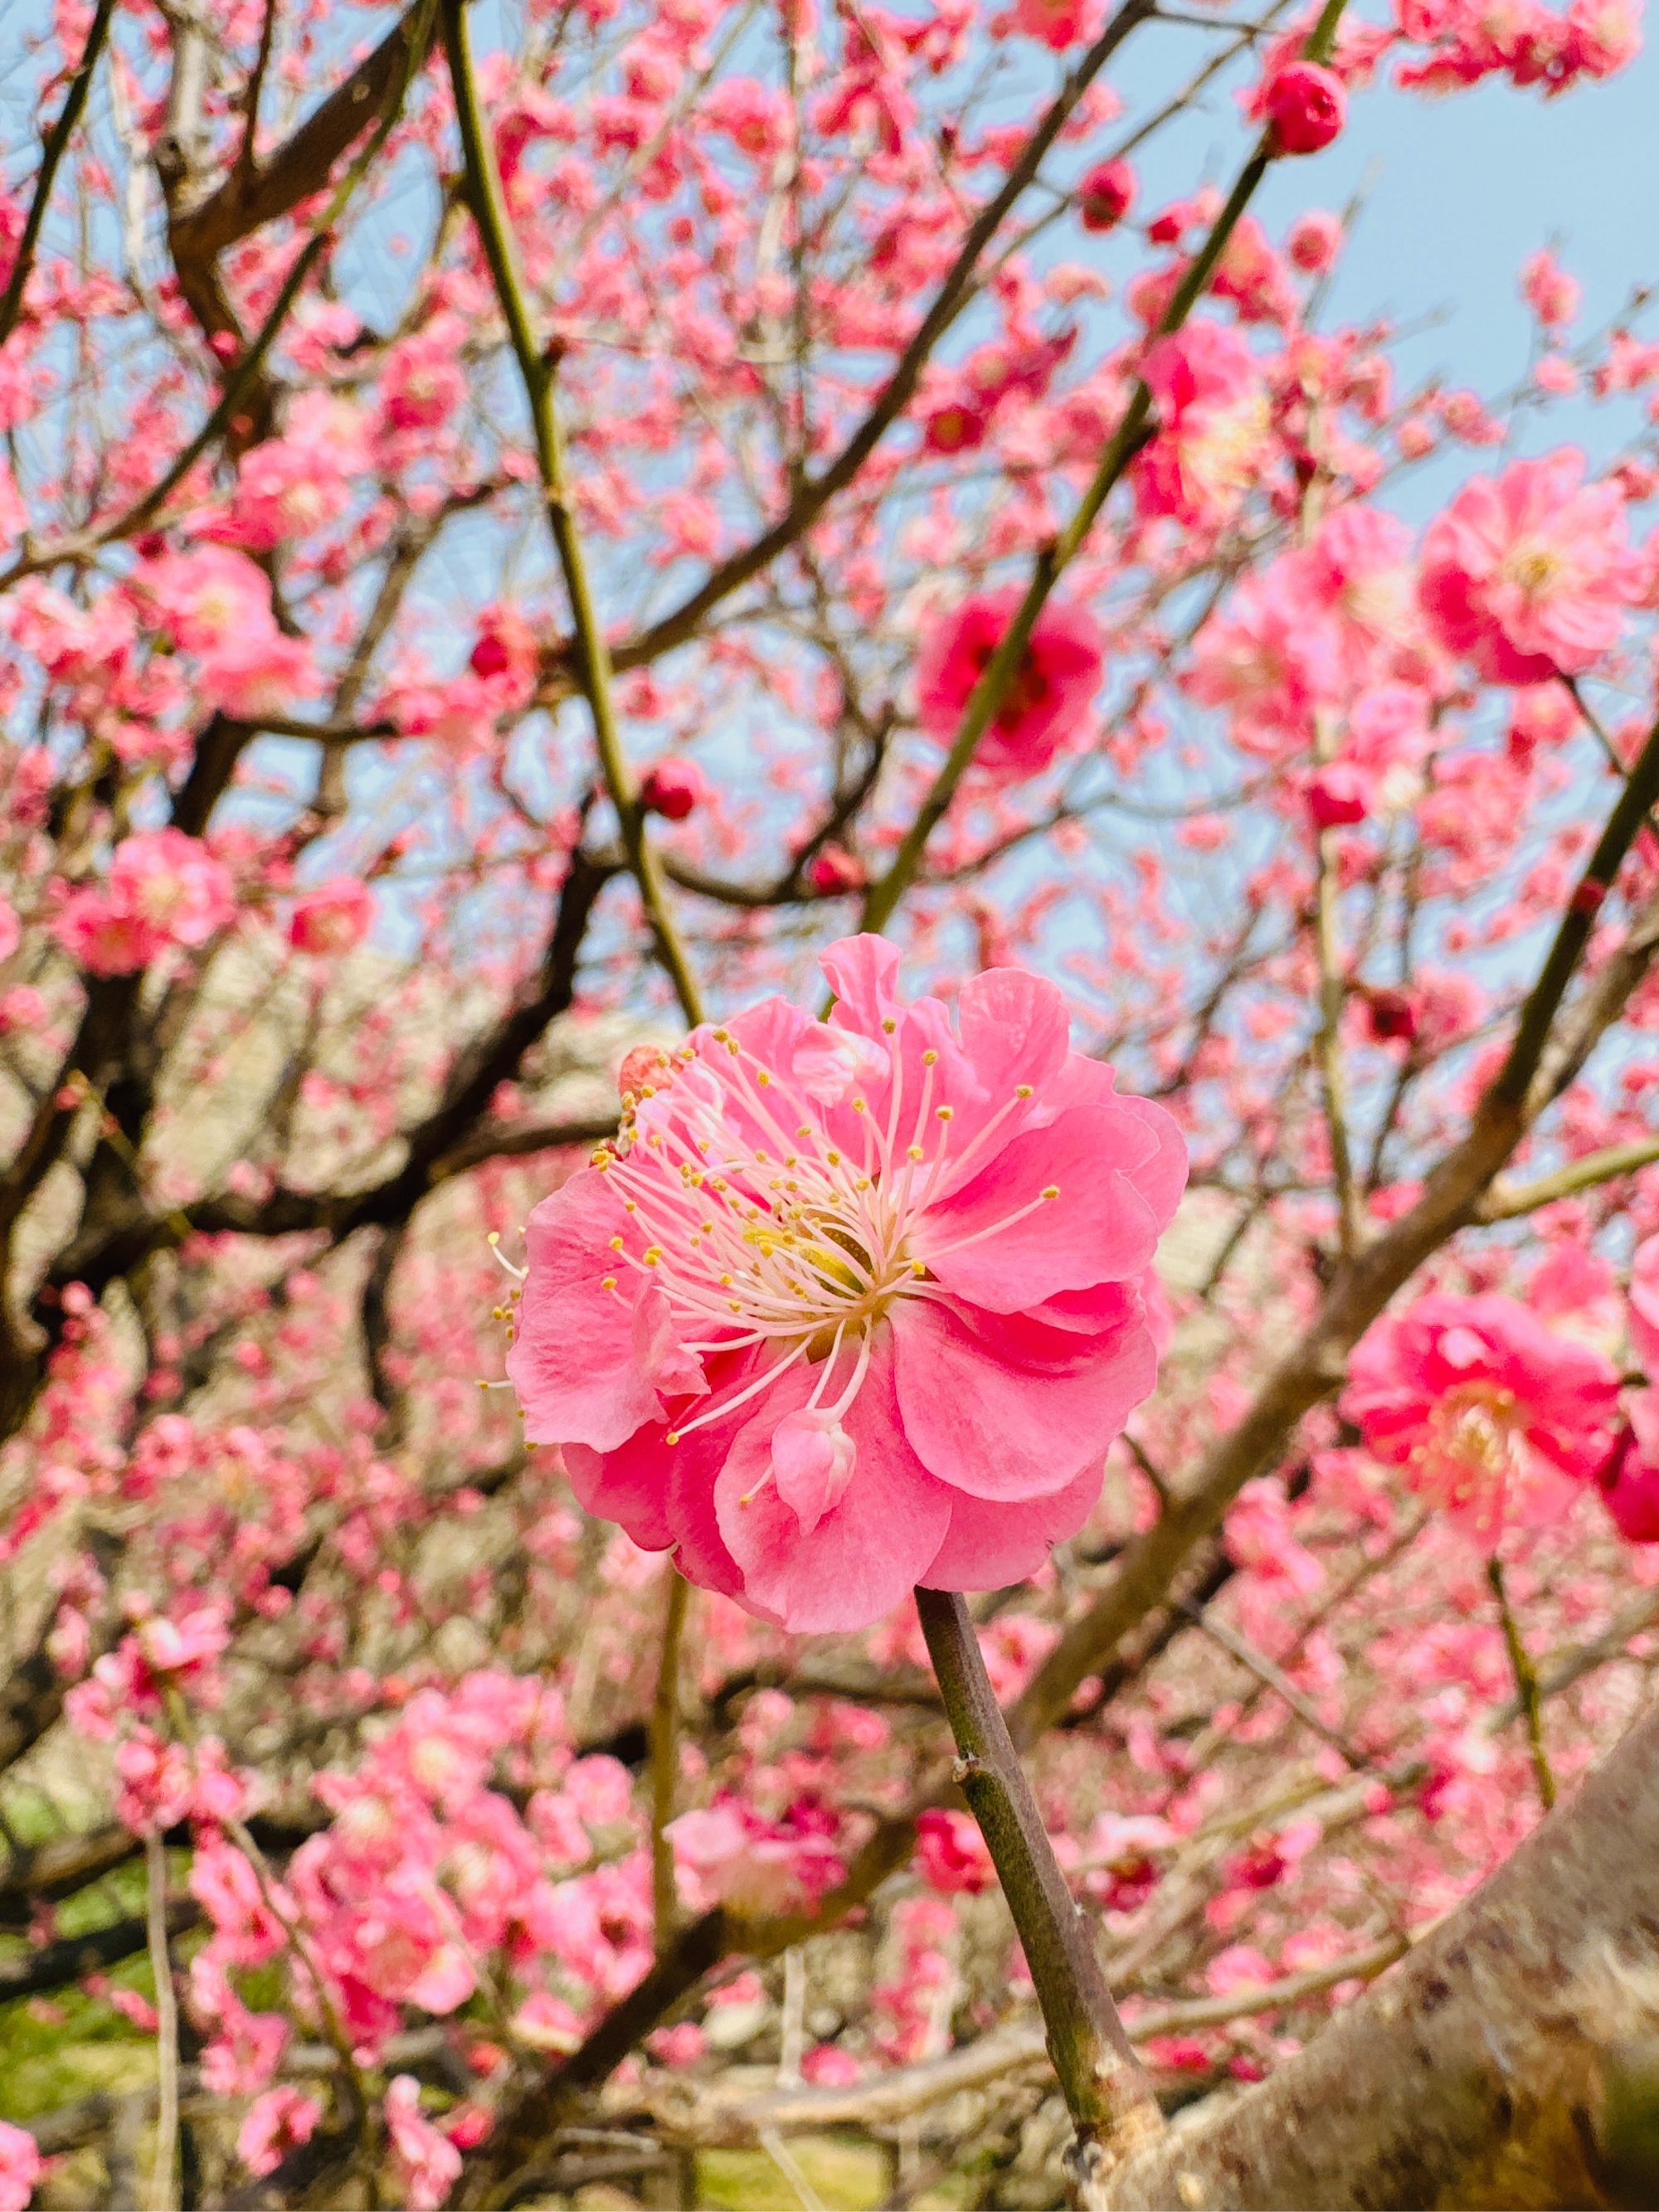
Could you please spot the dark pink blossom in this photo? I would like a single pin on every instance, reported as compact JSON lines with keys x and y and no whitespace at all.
{"x":1306,"y":106}
{"x":1493,"y":1417}
{"x":1057,"y":678}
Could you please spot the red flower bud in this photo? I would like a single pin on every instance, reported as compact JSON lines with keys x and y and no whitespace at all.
{"x":1390,"y":1014}
{"x":1105,"y":194}
{"x":1307,"y":107}
{"x":671,"y":787}
{"x":834,"y":872}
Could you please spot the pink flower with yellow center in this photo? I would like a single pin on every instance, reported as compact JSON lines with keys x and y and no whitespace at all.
{"x":1493,"y":1417}
{"x":1527,"y":575}
{"x":857,"y":1304}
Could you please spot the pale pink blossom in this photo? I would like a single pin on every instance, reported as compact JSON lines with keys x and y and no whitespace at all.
{"x":1212,"y":424}
{"x":331,"y":917}
{"x":1057,"y":679}
{"x":856,"y":1304}
{"x":173,"y":882}
{"x":1548,"y":290}
{"x":428,"y":2163}
{"x":19,"y":2167}
{"x":1314,"y":240}
{"x":1527,"y":575}
{"x":277,"y":2122}
{"x":727,"y":1853}
{"x":1492,"y":1416}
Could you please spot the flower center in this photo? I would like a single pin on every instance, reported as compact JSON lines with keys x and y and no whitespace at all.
{"x":764,"y":1231}
{"x":1474,"y":1445}
{"x":1534,"y":566}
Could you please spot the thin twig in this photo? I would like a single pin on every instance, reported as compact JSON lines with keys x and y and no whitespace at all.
{"x":1109,"y":2099}
{"x":1526,"y":1683}
{"x":665,"y":1713}
{"x":592,"y":653}
{"x":52,"y":153}
{"x":161,"y":2196}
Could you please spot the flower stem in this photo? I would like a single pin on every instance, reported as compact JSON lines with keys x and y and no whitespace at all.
{"x":665,"y":1710}
{"x":1110,"y":2099}
{"x":1526,"y":1683}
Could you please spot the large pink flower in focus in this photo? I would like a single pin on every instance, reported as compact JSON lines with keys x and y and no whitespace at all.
{"x":1059,"y":676}
{"x":1527,"y":575}
{"x":1492,"y":1416}
{"x":857,"y":1304}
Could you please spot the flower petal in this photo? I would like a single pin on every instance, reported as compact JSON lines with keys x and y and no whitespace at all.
{"x":987,"y":1545}
{"x":998,"y":1406}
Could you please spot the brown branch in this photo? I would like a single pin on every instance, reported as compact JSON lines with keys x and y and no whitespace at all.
{"x":53,"y":148}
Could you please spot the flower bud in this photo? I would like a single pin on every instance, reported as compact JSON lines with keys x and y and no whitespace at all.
{"x":1105,"y":194}
{"x":835,"y":871}
{"x":1307,"y":107}
{"x":672,"y":787}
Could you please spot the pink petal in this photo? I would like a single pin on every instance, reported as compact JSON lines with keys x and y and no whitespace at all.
{"x":1000,"y":1405}
{"x":590,"y":1365}
{"x":989,"y":1545}
{"x":868,"y":1550}
{"x":1014,"y":1027}
{"x":991,"y":1245}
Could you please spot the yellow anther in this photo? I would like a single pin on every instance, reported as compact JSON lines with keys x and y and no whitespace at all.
{"x":918,"y":1268}
{"x":494,"y":1238}
{"x":913,"y":1151}
{"x":615,"y":1243}
{"x":1053,"y":1191}
{"x":607,"y":1282}
{"x":1022,"y":1090}
{"x":762,"y":1077}
{"x":673,"y":1437}
{"x":888,"y":1023}
{"x":651,"y":1255}
{"x":945,"y":1113}
{"x":731,"y":1046}
{"x":718,"y":1035}
{"x":929,"y":1057}
{"x":725,"y":1280}
{"x":601,"y":1160}
{"x":834,"y":1158}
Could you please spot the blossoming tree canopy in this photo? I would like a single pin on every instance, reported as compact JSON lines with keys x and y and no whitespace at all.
{"x":857,"y":1304}
{"x":1118,"y":1481}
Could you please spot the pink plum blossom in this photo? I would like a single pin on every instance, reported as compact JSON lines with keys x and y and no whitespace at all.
{"x":20,"y":2165}
{"x":276,"y":2123}
{"x":1057,"y":679}
{"x":331,"y":917}
{"x":1493,"y":1417}
{"x":1527,"y":575}
{"x":857,"y":1304}
{"x":1212,"y":418}
{"x":428,"y":2163}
